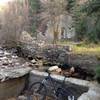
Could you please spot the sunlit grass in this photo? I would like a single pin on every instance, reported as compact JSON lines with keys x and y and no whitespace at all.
{"x":87,"y":50}
{"x":83,"y":48}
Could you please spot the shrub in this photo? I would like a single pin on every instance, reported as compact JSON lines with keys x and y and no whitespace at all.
{"x":87,"y":21}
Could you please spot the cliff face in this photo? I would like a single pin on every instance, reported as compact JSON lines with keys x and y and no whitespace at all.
{"x":65,"y":29}
{"x":64,"y":22}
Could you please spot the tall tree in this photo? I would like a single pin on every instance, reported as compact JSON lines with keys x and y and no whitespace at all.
{"x":54,"y":9}
{"x":34,"y":11}
{"x":87,"y":24}
{"x":15,"y":20}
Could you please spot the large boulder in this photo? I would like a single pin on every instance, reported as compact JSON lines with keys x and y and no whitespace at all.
{"x":11,"y":73}
{"x":13,"y":81}
{"x":27,"y":50}
{"x":86,"y":62}
{"x":56,"y":54}
{"x":92,"y":94}
{"x":49,"y":53}
{"x":25,"y":37}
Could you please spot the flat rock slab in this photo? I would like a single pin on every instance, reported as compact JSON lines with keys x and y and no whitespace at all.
{"x":92,"y":94}
{"x":13,"y":81}
{"x":11,"y":73}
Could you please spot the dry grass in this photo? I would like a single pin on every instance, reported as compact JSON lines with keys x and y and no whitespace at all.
{"x":83,"y":48}
{"x":87,"y":50}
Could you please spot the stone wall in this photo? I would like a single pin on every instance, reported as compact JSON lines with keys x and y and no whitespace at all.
{"x":71,"y":83}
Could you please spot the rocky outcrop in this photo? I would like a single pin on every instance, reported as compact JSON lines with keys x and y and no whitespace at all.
{"x":27,"y":50}
{"x":26,"y":37}
{"x":13,"y":74}
{"x":11,"y":66}
{"x":48,"y":53}
{"x":66,"y":31}
{"x":55,"y":54}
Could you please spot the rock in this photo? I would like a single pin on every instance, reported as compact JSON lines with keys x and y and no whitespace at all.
{"x":41,"y":43}
{"x":33,"y":61}
{"x":14,"y":57}
{"x":58,"y":70}
{"x":10,"y":61}
{"x":11,"y":73}
{"x":72,"y":70}
{"x":7,"y":53}
{"x":26,"y":64}
{"x":17,"y":64}
{"x":1,"y":53}
{"x":55,"y":54}
{"x":3,"y":58}
{"x":27,"y":50}
{"x":53,"y":68}
{"x":52,"y":54}
{"x":86,"y":62}
{"x":65,"y":24}
{"x":22,"y":98}
{"x":5,"y":63}
{"x":26,"y":37}
{"x":92,"y":94}
{"x":39,"y":63}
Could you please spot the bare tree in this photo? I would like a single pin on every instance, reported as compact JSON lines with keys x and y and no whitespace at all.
{"x":54,"y":9}
{"x":15,"y":20}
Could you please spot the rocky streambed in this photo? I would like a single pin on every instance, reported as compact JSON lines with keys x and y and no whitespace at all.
{"x":16,"y":74}
{"x":13,"y":74}
{"x":57,"y":54}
